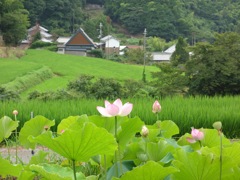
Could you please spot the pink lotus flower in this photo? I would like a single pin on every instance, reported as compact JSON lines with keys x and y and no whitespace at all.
{"x":196,"y":136}
{"x":15,"y":112}
{"x":156,"y":108}
{"x":115,"y":109}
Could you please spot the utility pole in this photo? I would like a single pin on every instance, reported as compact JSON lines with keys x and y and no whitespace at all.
{"x":144,"y":58}
{"x":100,"y":34}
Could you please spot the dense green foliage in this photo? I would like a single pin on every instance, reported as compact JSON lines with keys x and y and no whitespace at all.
{"x":56,"y":15}
{"x":195,"y":20}
{"x":214,"y":69}
{"x":180,"y":55}
{"x":13,"y":21}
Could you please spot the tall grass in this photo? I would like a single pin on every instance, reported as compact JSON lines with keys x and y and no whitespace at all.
{"x":185,"y":112}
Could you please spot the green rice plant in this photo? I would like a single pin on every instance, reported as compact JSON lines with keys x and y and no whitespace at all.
{"x":187,"y":112}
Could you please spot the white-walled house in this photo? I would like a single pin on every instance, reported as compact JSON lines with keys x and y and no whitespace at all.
{"x":110,"y":44}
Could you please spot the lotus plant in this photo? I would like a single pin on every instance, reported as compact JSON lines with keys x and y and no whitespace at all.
{"x":15,"y":113}
{"x":218,"y":126}
{"x":156,"y":108}
{"x":196,"y":136}
{"x":113,"y":110}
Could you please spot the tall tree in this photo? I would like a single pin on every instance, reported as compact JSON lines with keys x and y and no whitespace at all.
{"x":214,"y":69}
{"x":180,"y":55}
{"x":13,"y":21}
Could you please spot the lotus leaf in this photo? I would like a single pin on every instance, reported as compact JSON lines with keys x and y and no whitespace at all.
{"x":34,"y":127}
{"x":80,"y":145}
{"x":7,"y":125}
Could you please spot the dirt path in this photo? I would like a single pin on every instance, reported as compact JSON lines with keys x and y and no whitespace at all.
{"x":24,"y":155}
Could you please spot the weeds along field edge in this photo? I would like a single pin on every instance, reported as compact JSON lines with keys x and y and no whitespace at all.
{"x":198,"y":112}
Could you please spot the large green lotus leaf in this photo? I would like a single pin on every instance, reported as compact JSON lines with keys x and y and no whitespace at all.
{"x":212,"y":138}
{"x":65,"y":123}
{"x":182,"y":141}
{"x":236,"y":174}
{"x":104,"y":122}
{"x":128,"y":130}
{"x":6,"y":168}
{"x":7,"y":125}
{"x":34,"y":127}
{"x":70,"y":121}
{"x":80,"y":145}
{"x":228,"y":152}
{"x":54,"y":171}
{"x":167,"y":128}
{"x":27,"y":175}
{"x":150,"y":170}
{"x":122,"y":167}
{"x":195,"y":165}
{"x":92,"y":177}
{"x":107,"y":123}
{"x":157,"y":151}
{"x":132,"y":151}
{"x":39,"y":158}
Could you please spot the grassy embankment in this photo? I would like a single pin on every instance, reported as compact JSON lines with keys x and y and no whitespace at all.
{"x":64,"y":68}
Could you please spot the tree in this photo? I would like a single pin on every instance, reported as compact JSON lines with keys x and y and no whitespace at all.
{"x":169,"y":81}
{"x":180,"y":55}
{"x":214,"y":69}
{"x":13,"y":21}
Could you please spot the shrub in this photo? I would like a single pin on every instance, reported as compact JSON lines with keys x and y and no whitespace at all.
{"x":41,"y":44}
{"x":96,"y":53}
{"x":8,"y":95}
{"x":81,"y":85}
{"x":106,"y":88}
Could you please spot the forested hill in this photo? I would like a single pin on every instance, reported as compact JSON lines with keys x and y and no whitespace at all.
{"x":168,"y":19}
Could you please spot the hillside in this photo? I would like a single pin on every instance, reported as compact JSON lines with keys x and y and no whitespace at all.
{"x":57,"y":70}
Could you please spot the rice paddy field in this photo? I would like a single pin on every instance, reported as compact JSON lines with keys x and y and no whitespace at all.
{"x":197,"y":112}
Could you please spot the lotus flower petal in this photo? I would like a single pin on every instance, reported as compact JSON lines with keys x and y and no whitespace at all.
{"x":126,"y":109}
{"x":103,"y":111}
{"x":196,"y":134}
{"x":112,"y":109}
{"x":191,"y":140}
{"x":118,"y":103}
{"x":106,"y":103}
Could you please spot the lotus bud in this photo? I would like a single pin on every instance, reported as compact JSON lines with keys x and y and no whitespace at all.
{"x":145,"y":131}
{"x":142,"y":157}
{"x":15,"y":112}
{"x":156,"y":108}
{"x":217,"y":125}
